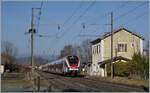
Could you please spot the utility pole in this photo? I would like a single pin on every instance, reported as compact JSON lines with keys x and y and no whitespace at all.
{"x":112,"y":66}
{"x":32,"y":39}
{"x":32,"y":31}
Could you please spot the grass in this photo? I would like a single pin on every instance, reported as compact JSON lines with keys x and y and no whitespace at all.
{"x":44,"y":82}
{"x":123,"y":80}
{"x":17,"y":83}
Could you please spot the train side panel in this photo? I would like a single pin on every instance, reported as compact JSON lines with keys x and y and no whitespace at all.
{"x":64,"y":66}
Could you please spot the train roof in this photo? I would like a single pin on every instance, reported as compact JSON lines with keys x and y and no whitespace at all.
{"x":57,"y":61}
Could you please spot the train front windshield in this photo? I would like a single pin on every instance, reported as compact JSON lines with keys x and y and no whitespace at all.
{"x":73,"y":59}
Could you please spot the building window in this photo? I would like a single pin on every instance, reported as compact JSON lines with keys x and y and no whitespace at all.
{"x":93,"y":51}
{"x":97,"y":49}
{"x":122,"y":47}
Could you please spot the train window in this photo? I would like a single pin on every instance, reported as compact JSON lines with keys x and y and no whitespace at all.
{"x":65,"y":64}
{"x":73,"y":59}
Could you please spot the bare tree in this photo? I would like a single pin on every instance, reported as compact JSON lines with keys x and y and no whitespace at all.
{"x":39,"y":60}
{"x":67,"y":50}
{"x":8,"y":54}
{"x":85,"y":51}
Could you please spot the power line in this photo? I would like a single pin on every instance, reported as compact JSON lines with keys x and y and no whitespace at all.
{"x":130,"y":11}
{"x":49,"y":36}
{"x":58,"y":39}
{"x":124,"y":4}
{"x":116,"y":9}
{"x":136,"y":18}
{"x":87,"y":9}
{"x":88,"y":35}
{"x":121,"y":6}
{"x":40,"y":12}
{"x":69,"y":18}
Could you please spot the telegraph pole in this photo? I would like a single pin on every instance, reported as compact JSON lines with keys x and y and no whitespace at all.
{"x":32,"y":31}
{"x":112,"y":66}
{"x":32,"y":39}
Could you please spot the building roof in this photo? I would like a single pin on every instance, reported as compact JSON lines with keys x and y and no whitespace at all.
{"x":96,"y":41}
{"x":114,"y":59}
{"x":108,"y":34}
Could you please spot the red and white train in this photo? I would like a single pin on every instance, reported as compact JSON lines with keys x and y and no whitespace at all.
{"x":68,"y":65}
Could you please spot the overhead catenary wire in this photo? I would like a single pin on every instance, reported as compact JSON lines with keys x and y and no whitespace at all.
{"x":88,"y":35}
{"x":104,"y":15}
{"x":120,"y":6}
{"x":80,"y":16}
{"x":65,"y":22}
{"x":58,"y":38}
{"x":135,"y":18}
{"x":69,"y":18}
{"x":87,"y":9}
{"x":49,"y":36}
{"x":83,"y":24}
{"x":130,"y":11}
{"x":124,"y":14}
{"x":39,"y":18}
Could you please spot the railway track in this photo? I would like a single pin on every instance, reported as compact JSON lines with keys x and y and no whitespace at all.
{"x":81,"y":84}
{"x":61,"y":83}
{"x":66,"y":84}
{"x":110,"y":86}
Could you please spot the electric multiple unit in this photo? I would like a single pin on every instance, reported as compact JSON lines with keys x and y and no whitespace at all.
{"x":68,"y":65}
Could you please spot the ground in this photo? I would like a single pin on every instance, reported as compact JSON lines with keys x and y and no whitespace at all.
{"x":59,"y":83}
{"x":17,"y":82}
{"x":125,"y":80}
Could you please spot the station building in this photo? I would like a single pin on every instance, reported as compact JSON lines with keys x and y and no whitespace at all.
{"x":125,"y":44}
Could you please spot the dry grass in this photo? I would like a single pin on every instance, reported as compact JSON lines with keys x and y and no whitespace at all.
{"x":44,"y":82}
{"x":123,"y":80}
{"x":15,"y":83}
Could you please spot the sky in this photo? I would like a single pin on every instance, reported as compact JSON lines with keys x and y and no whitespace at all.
{"x":70,"y":16}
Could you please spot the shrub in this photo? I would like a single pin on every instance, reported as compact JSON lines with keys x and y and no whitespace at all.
{"x":120,"y":69}
{"x":139,"y":66}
